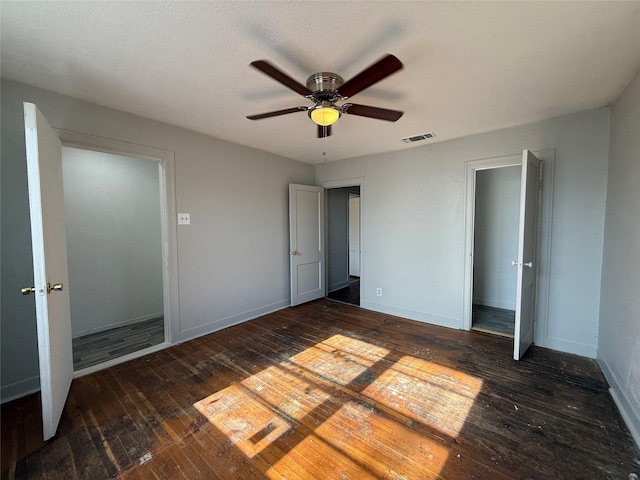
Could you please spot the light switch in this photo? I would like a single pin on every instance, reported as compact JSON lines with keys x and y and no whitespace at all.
{"x":184,"y":219}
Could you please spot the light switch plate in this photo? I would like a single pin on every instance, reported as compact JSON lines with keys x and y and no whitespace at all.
{"x":184,"y":219}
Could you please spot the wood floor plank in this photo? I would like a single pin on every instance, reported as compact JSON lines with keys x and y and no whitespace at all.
{"x":330,"y":391}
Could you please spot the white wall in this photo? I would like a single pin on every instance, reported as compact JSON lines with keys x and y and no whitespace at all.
{"x":497,"y":211}
{"x":413,"y":227}
{"x":337,"y":226}
{"x":233,"y":259}
{"x":114,"y":245}
{"x":619,"y":340}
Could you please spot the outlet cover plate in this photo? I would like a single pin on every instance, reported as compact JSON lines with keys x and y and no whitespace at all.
{"x":184,"y":219}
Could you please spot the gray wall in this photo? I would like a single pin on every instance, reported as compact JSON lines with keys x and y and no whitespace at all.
{"x":497,"y":212}
{"x":338,"y":237}
{"x":619,"y":342}
{"x":114,"y":245}
{"x":413,"y":224}
{"x":233,"y":259}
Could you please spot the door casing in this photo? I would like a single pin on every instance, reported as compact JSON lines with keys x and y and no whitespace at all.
{"x":352,"y":182}
{"x":166,"y":168}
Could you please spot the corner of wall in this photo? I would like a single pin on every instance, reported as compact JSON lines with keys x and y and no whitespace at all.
{"x":624,"y":406}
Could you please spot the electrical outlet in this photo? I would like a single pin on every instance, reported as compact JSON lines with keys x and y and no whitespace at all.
{"x":184,"y":219}
{"x":378,"y":292}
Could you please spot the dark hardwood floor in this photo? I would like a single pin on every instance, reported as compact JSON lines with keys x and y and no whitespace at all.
{"x":330,"y":391}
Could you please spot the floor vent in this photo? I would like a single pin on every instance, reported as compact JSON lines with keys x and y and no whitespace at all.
{"x":419,"y":138}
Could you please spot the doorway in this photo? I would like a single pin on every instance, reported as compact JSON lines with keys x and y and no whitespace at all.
{"x":147,"y":317}
{"x":495,"y":246}
{"x":343,"y":244}
{"x":114,"y":245}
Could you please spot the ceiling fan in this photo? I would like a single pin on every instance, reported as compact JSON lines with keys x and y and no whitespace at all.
{"x":325,"y":89}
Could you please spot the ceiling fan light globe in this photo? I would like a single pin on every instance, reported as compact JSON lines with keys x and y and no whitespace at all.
{"x":324,"y":115}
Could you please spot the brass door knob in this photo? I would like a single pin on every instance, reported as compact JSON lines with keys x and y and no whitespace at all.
{"x":56,"y":286}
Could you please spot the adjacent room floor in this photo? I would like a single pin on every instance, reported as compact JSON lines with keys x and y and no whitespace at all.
{"x":349,"y":294}
{"x":100,"y":347}
{"x":326,"y":390}
{"x":493,"y":320}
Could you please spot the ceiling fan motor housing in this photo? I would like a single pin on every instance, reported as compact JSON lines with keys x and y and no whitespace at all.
{"x":324,"y":86}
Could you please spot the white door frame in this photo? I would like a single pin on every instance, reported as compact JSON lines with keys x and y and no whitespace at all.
{"x":544,"y":235}
{"x":356,"y":199}
{"x":351,"y":182}
{"x":166,"y":170}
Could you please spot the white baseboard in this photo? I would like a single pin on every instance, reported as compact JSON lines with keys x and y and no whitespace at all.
{"x":630,"y":417}
{"x":221,"y":323}
{"x":413,"y":315}
{"x":124,"y":323}
{"x":561,"y":345}
{"x":19,"y":389}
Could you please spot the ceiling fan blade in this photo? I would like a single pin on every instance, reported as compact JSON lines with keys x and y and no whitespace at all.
{"x":275,"y":113}
{"x":324,"y":131}
{"x":376,"y":72}
{"x":372,"y":112}
{"x":279,"y":76}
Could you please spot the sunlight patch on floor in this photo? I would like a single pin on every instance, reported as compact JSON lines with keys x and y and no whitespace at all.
{"x":286,"y":391}
{"x":371,"y":412}
{"x":245,"y":421}
{"x":364,"y":433}
{"x":339,"y":359}
{"x":314,"y":454}
{"x":433,"y":395}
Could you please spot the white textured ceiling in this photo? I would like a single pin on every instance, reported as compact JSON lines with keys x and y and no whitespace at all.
{"x":470,"y":67}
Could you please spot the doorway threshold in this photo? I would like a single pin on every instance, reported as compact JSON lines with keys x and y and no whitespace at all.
{"x":492,"y":332}
{"x":118,"y":360}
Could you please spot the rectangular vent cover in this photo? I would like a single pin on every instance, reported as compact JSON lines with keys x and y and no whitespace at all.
{"x":418,"y":138}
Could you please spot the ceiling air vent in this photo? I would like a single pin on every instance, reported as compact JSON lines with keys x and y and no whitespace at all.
{"x":418,"y":138}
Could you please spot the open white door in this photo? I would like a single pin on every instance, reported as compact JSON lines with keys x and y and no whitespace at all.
{"x":306,"y":243}
{"x":526,"y":261}
{"x":50,"y":270}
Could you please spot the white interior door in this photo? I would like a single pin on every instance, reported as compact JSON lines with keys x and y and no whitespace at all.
{"x":527,"y":260}
{"x":50,"y":270}
{"x":306,"y":243}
